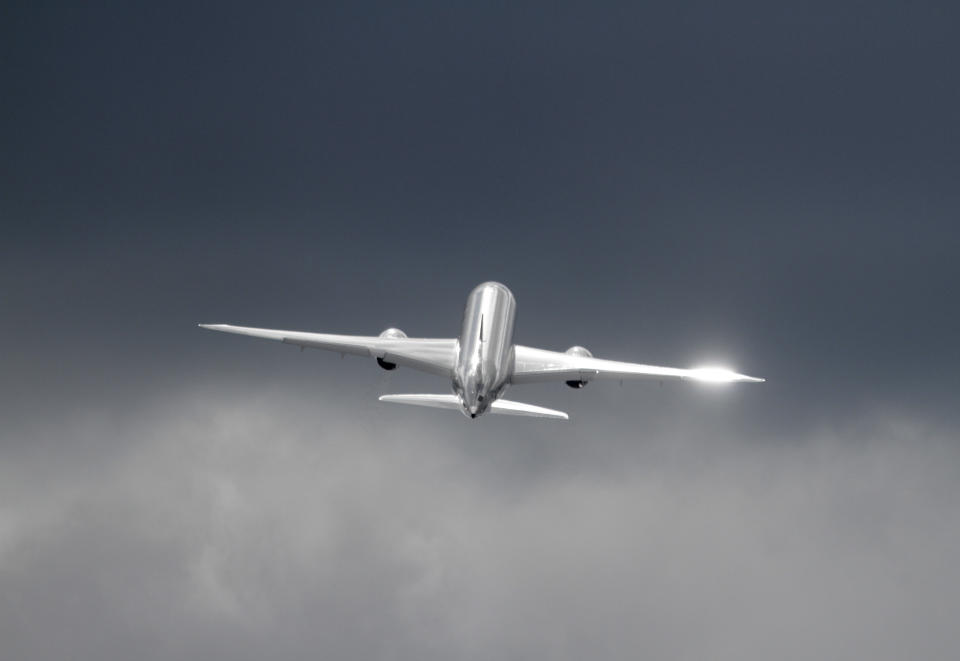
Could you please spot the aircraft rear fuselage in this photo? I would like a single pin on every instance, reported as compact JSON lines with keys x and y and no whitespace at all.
{"x":485,"y":347}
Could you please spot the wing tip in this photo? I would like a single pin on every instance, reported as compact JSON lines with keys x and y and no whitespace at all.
{"x":719,"y":375}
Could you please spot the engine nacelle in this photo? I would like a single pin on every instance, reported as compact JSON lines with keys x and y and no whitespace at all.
{"x":578,"y":351}
{"x":393,"y":333}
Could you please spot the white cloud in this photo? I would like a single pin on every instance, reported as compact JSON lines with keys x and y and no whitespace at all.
{"x":244,"y":524}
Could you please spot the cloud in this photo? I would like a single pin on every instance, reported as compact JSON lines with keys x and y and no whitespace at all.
{"x":231,"y":523}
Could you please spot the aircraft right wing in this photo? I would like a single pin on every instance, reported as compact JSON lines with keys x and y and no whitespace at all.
{"x":435,"y":356}
{"x":537,"y":365}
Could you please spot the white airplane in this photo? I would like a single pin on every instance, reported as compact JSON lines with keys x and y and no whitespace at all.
{"x":483,"y":361}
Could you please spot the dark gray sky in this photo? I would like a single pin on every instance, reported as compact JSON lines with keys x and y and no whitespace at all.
{"x":767,"y":185}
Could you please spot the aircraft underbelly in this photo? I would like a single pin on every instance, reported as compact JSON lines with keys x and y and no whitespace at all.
{"x":486,"y":340}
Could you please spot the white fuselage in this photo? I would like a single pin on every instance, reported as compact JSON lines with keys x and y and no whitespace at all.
{"x":485,"y":352}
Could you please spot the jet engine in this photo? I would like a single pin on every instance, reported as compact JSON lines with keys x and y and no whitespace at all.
{"x":390,"y":333}
{"x":578,"y":351}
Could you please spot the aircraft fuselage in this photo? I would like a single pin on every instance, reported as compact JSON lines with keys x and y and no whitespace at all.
{"x":485,"y":355}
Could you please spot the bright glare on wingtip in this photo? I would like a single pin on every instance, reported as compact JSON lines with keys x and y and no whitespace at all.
{"x":719,"y":375}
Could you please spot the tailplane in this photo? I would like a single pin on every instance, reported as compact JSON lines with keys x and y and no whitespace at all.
{"x":499,"y":407}
{"x":434,"y":401}
{"x":506,"y":407}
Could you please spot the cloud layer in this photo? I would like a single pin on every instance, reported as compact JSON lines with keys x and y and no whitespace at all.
{"x":243,"y":524}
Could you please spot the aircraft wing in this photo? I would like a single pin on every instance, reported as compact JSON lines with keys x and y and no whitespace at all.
{"x":436,"y":356}
{"x":538,"y":365}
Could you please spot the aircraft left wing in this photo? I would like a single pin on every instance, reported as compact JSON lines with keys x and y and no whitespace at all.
{"x":537,"y":365}
{"x":435,"y":356}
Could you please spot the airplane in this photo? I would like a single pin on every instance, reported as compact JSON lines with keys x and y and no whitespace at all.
{"x":484,"y":361}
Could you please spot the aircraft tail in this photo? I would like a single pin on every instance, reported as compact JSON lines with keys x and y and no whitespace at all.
{"x":499,"y":407}
{"x":506,"y":407}
{"x":434,"y":401}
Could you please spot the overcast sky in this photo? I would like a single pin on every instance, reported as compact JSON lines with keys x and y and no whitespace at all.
{"x":769,"y":186}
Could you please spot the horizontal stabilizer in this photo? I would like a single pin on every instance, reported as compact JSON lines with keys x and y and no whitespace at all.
{"x":499,"y":407}
{"x":434,"y":401}
{"x":506,"y":407}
